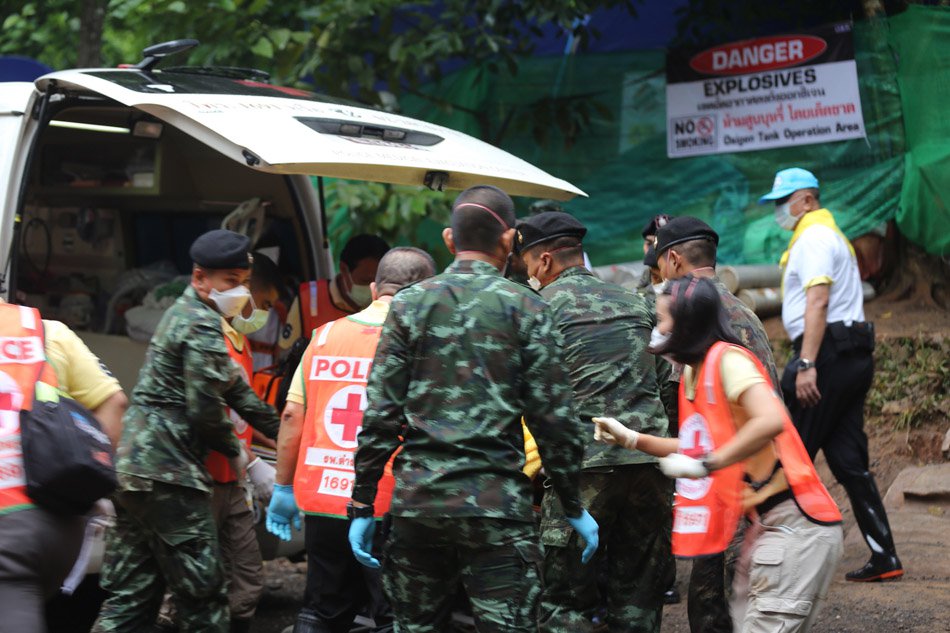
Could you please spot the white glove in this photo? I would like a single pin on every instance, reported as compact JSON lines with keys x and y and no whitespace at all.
{"x":239,"y":463}
{"x":611,"y":431}
{"x":261,"y":475}
{"x":677,"y":465}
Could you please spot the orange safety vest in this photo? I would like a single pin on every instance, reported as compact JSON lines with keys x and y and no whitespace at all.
{"x":335,"y":369}
{"x":316,"y":306}
{"x":707,"y":510}
{"x":22,"y":365}
{"x":216,"y":463}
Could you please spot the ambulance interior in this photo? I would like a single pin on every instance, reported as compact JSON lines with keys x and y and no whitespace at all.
{"x":111,"y":208}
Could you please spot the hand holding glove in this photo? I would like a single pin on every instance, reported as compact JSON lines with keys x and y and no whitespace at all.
{"x":361,"y":540}
{"x":261,"y":475}
{"x":282,"y":511}
{"x":587,"y":528}
{"x":612,"y":431}
{"x":677,"y":465}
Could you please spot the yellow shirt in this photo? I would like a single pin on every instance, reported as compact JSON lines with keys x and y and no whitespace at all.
{"x":237,"y":339}
{"x":374,"y":314}
{"x":78,"y":370}
{"x":738,"y":374}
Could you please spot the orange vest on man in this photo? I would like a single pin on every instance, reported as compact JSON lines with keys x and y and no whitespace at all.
{"x":335,"y":368}
{"x":216,"y":463}
{"x":22,"y":365}
{"x":316,"y":306}
{"x":707,"y":510}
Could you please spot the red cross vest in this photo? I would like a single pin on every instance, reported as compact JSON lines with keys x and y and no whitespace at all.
{"x":216,"y":463}
{"x":335,"y":369}
{"x":707,"y":510}
{"x":316,"y":306}
{"x":22,"y":365}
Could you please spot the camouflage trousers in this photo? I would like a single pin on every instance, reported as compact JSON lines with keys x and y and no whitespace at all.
{"x":632,"y":506}
{"x":163,"y":537}
{"x":496,"y":560}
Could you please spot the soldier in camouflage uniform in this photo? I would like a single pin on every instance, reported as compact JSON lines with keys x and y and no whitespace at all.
{"x":688,"y":245}
{"x":165,"y":535}
{"x":462,"y":356}
{"x":605,"y":331}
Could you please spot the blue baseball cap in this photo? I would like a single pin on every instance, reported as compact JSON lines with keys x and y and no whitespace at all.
{"x":788,"y":181}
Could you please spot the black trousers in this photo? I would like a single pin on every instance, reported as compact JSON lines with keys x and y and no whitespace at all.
{"x":338,"y":587}
{"x":836,"y":424}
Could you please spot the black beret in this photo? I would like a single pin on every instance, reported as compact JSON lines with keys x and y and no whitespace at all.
{"x":547,"y":226}
{"x":683,"y":229}
{"x":649,"y":259}
{"x":222,"y":249}
{"x":654,"y":225}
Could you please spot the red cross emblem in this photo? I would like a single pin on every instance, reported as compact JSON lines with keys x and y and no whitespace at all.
{"x":350,"y":417}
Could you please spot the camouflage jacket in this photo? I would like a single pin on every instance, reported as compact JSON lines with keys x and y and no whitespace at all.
{"x":605,"y":332}
{"x":177,"y":407}
{"x":748,"y":328}
{"x":462,"y":356}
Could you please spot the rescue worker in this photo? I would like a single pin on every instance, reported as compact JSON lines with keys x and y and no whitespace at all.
{"x":322,"y":417}
{"x":37,"y":547}
{"x":829,"y":375}
{"x":739,"y":452}
{"x":688,"y":246}
{"x":648,"y":281}
{"x":327,"y":300}
{"x":462,"y":356}
{"x":165,"y":534}
{"x":605,"y":331}
{"x":231,"y":503}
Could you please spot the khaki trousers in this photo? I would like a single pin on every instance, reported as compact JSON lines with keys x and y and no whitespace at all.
{"x":240,"y":551}
{"x":784,"y":571}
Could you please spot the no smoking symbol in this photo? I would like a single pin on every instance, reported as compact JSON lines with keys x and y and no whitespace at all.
{"x":705,"y":126}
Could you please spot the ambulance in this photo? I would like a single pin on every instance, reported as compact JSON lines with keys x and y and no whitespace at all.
{"x":107,"y":175}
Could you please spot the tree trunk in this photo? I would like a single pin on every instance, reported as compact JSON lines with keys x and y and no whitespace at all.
{"x":91,"y":21}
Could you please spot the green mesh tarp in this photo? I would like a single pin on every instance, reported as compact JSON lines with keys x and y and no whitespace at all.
{"x":920,"y":38}
{"x":620,"y":160}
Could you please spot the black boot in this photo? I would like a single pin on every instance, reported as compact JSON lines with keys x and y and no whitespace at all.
{"x":308,"y":622}
{"x":872,"y":521}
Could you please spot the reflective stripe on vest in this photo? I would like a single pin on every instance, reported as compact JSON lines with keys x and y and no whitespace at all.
{"x":22,"y":364}
{"x":217,"y":464}
{"x":707,"y":510}
{"x":316,"y":308}
{"x":335,"y":369}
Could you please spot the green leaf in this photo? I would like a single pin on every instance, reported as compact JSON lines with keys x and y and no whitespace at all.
{"x":177,"y":7}
{"x":263,"y":48}
{"x":280,"y":38}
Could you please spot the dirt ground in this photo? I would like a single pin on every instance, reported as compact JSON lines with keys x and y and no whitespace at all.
{"x":919,"y":603}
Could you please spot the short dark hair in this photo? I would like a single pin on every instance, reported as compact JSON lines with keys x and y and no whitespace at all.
{"x":402,"y":266}
{"x":264,"y":273}
{"x":363,"y":246}
{"x":699,"y":320}
{"x":699,"y":253}
{"x":568,"y":249}
{"x":474,"y":228}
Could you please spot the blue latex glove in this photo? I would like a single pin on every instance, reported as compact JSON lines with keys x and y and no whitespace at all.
{"x":281,"y":511}
{"x":361,"y":540}
{"x":587,"y":527}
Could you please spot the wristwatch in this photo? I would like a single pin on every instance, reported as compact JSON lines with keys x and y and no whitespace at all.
{"x":804,"y":363}
{"x":357,"y":512}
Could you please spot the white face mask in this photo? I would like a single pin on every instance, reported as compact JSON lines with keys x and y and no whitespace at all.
{"x":535,"y":283}
{"x":361,"y":295}
{"x":784,"y":217}
{"x":253,"y":323}
{"x":659,"y":288}
{"x":658,"y":339}
{"x":230,"y":302}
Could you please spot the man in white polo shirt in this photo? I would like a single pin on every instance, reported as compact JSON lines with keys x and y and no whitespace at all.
{"x":828,"y":377}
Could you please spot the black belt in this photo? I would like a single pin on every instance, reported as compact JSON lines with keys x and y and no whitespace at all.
{"x":773,"y":501}
{"x":844,"y":338}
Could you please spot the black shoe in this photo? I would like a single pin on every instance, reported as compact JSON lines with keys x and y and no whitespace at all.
{"x":671,"y":596}
{"x":878,"y":568}
{"x":240,"y":626}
